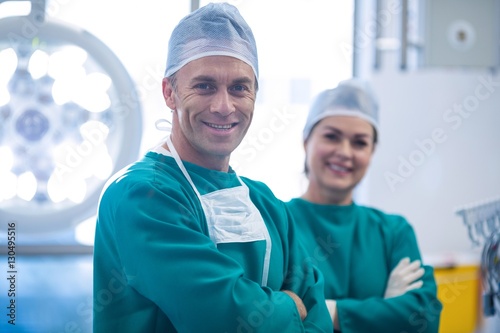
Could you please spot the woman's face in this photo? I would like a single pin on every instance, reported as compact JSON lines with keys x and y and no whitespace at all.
{"x":338,"y":152}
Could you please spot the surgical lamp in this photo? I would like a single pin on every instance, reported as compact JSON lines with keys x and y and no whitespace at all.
{"x":70,"y":117}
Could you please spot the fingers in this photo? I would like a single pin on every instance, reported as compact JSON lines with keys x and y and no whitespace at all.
{"x":415,"y":285}
{"x":408,"y":272}
{"x":404,"y":277}
{"x":412,"y":272}
{"x":402,"y":264}
{"x":405,"y":267}
{"x":410,"y":267}
{"x":414,"y":275}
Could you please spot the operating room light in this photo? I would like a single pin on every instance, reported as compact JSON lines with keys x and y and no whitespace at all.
{"x":6,"y":159}
{"x":26,"y":186}
{"x":66,"y":105}
{"x":38,"y":64}
{"x":9,"y":186}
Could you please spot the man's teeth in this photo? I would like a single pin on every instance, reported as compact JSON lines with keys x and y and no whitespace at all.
{"x":220,"y":126}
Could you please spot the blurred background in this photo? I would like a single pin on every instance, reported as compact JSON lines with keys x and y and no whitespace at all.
{"x":80,"y":93}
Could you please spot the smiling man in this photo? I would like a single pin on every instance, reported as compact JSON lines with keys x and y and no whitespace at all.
{"x":183,"y":244}
{"x":213,"y":100}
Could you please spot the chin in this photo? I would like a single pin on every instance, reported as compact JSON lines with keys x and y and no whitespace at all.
{"x":341,"y":186}
{"x":221,"y":151}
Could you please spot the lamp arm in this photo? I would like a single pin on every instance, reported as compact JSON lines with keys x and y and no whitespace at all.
{"x":37,"y":12}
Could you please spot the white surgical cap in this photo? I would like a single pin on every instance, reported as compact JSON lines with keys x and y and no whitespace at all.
{"x":350,"y":98}
{"x":214,"y":29}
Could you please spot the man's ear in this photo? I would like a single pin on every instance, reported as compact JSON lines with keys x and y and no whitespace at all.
{"x":168,"y":93}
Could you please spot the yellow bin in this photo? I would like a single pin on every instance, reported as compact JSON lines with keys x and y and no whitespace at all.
{"x":459,"y":292}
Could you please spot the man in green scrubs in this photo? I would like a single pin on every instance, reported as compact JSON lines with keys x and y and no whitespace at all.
{"x":182,"y":243}
{"x":374,"y":280}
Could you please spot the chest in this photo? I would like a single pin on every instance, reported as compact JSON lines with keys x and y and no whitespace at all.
{"x":354,"y":262}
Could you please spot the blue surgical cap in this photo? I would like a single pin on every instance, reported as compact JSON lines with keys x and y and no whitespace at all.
{"x":352,"y":97}
{"x":215,"y":29}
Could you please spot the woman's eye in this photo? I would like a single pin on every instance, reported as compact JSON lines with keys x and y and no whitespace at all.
{"x":332,"y":136}
{"x":361,"y":143}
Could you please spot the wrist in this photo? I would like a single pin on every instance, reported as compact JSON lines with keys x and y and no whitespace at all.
{"x":301,"y":308}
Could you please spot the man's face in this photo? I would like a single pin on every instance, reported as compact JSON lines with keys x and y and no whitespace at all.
{"x":212,"y":102}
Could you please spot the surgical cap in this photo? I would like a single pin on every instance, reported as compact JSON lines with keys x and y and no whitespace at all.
{"x":217,"y":29}
{"x":350,"y":98}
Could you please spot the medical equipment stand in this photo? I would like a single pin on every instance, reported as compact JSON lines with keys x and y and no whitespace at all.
{"x":483,"y":223}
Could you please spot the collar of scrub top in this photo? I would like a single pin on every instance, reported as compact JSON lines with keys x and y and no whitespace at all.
{"x":267,"y":236}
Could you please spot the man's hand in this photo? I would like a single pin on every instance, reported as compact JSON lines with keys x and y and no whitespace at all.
{"x":298,"y":302}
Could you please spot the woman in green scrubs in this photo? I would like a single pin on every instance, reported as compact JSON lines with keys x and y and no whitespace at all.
{"x":374,"y":280}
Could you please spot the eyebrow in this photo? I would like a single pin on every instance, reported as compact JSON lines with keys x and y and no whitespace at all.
{"x":203,"y":78}
{"x":207,"y":78}
{"x":358,"y":135}
{"x":242,"y":80}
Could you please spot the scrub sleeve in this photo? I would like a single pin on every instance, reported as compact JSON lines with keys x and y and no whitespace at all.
{"x":356,"y":248}
{"x":152,"y":238}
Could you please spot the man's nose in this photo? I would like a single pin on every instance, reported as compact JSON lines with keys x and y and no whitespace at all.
{"x":222,"y":103}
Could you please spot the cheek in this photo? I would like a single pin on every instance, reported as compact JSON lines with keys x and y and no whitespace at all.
{"x":246,"y":107}
{"x":317,"y":153}
{"x":363,"y":159}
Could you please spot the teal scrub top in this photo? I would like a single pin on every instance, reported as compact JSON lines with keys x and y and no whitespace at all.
{"x":157,"y":270}
{"x":356,"y":248}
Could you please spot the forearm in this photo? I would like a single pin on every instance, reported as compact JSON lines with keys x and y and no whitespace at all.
{"x":410,"y":313}
{"x":313,"y":300}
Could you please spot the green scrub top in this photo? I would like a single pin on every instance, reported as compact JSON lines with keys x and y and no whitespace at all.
{"x":157,"y":270}
{"x":356,"y":248}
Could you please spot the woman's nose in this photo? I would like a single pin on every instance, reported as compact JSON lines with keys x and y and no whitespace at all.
{"x":344,"y":148}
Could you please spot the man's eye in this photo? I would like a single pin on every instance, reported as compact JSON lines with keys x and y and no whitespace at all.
{"x":239,"y":88}
{"x":203,"y":86}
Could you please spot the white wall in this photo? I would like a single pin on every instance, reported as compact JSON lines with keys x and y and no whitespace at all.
{"x":431,"y":159}
{"x":439,"y":140}
{"x":439,"y":132}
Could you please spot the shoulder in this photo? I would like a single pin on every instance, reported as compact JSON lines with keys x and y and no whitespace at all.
{"x":148,"y":175}
{"x":389,"y":222}
{"x":296,"y":203}
{"x":258,"y":188}
{"x":265,"y":200}
{"x":398,"y":234}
